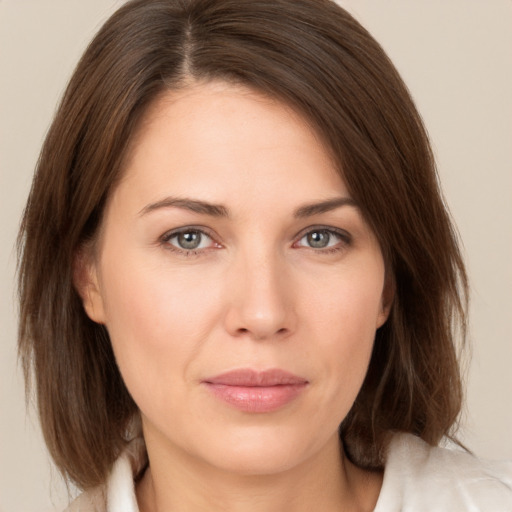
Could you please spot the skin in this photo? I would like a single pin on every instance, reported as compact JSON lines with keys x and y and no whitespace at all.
{"x":256,"y":293}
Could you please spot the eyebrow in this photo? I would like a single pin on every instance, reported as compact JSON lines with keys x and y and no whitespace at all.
{"x":202,"y":207}
{"x":309,"y":210}
{"x":217,"y":210}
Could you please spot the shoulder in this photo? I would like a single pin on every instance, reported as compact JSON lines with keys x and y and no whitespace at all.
{"x":94,"y":500}
{"x":421,"y":478}
{"x":118,"y":493}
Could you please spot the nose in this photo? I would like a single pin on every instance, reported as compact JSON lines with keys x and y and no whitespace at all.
{"x":260,"y":299}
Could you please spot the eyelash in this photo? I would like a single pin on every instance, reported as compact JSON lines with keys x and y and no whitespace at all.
{"x":165,"y":241}
{"x":344,"y":236}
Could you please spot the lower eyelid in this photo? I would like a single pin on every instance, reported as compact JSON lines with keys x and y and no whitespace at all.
{"x":344,"y":239}
{"x":165,"y":242}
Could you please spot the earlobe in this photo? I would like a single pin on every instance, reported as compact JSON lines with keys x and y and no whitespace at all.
{"x":388,"y":295}
{"x":86,"y":282}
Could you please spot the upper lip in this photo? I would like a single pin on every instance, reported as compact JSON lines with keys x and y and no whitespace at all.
{"x":254,"y":378}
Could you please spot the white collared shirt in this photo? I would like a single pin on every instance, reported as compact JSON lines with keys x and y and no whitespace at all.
{"x":417,"y":478}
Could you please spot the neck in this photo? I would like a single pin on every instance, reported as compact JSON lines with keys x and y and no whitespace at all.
{"x":327,"y":481}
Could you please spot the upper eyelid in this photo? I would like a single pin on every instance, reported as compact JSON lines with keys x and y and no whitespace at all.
{"x":165,"y":240}
{"x":332,"y":229}
{"x":303,"y":232}
{"x":174,"y":232}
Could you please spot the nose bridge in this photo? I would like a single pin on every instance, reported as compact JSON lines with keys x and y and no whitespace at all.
{"x":260,"y":300}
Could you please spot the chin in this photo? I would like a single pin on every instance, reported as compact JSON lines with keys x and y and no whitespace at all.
{"x":264,"y":451}
{"x":258,"y":462}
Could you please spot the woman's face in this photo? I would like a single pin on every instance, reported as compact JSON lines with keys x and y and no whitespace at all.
{"x":239,"y":283}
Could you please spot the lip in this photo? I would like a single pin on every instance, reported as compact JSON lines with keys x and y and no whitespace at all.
{"x":256,"y":391}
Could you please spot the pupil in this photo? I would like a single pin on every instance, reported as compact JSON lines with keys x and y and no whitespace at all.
{"x":189,"y":240}
{"x":318,"y":239}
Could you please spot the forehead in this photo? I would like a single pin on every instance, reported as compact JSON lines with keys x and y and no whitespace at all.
{"x":220,"y":142}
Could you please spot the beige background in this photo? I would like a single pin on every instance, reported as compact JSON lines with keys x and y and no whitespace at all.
{"x":455,"y":55}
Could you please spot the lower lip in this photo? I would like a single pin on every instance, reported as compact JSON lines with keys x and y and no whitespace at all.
{"x":257,"y":398}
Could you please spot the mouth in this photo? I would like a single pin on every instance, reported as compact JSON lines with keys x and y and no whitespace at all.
{"x":256,"y":391}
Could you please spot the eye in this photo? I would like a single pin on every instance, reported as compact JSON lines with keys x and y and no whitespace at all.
{"x":318,"y":239}
{"x":189,"y":240}
{"x":324,"y":238}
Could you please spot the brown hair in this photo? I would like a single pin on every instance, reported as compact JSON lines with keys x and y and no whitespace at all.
{"x":315,"y":57}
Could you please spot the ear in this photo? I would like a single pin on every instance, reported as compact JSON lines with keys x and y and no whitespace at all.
{"x":388,"y":295}
{"x":86,"y":282}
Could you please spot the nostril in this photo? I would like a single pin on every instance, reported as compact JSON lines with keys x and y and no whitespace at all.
{"x":242,"y":331}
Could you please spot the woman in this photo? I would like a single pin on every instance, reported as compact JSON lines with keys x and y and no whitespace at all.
{"x":238,"y":279}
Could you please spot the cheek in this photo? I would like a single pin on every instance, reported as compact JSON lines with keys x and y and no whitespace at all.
{"x":345,"y":321}
{"x":157,"y":322}
{"x":347,"y":304}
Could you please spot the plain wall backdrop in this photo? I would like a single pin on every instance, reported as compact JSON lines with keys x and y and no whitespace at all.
{"x":455,"y":56}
